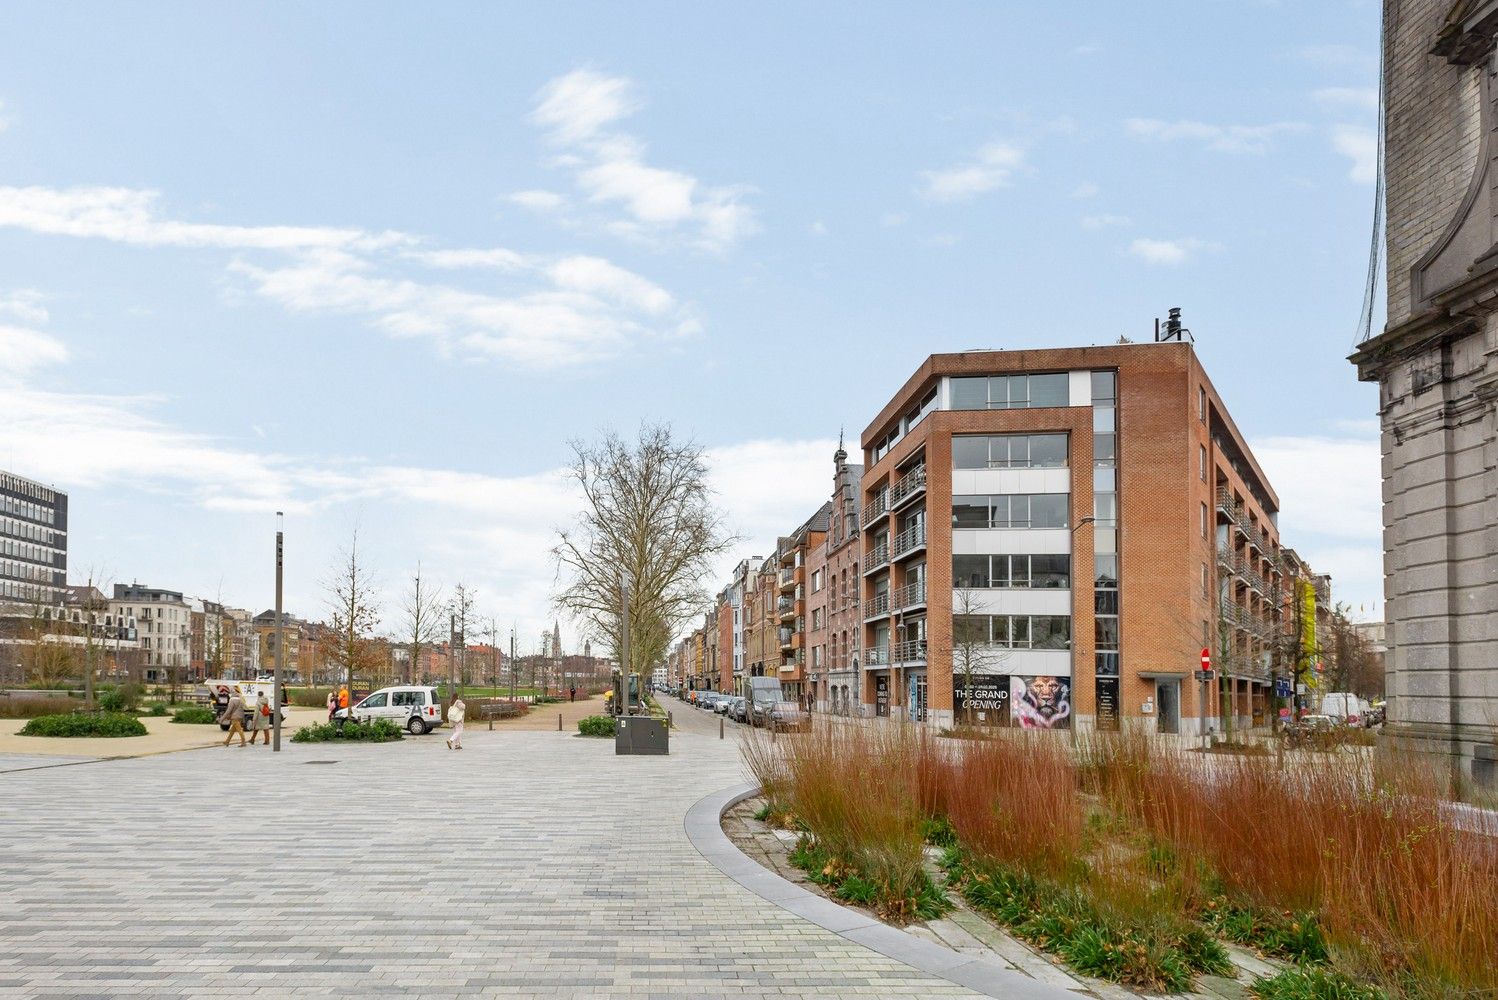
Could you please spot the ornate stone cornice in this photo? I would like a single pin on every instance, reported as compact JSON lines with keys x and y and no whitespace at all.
{"x":1469,"y":33}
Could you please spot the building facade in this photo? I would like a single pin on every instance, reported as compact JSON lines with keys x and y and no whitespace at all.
{"x":1040,"y":533}
{"x":33,"y":542}
{"x":841,"y":588}
{"x":164,"y":624}
{"x":1436,"y":365}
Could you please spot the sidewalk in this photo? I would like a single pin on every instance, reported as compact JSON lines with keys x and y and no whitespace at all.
{"x":163,"y":736}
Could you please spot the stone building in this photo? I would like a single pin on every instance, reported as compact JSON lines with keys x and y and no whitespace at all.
{"x":1436,"y":364}
{"x":832,"y":624}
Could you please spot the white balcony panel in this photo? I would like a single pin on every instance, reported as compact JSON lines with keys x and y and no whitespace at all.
{"x":979,"y":482}
{"x":1032,"y":662}
{"x":1010,"y":541}
{"x":1019,"y":601}
{"x":1079,"y":386}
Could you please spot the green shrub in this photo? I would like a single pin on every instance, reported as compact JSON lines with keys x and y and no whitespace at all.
{"x":378,"y":731}
{"x":195,"y":715}
{"x":85,"y":724}
{"x":1294,"y":936}
{"x":851,"y":883}
{"x":157,"y":710}
{"x":1312,"y":983}
{"x":125,"y":698}
{"x":596,"y":725}
{"x":938,"y":832}
{"x":1137,"y":950}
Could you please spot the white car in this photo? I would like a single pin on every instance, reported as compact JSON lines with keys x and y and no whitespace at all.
{"x":417,"y":709}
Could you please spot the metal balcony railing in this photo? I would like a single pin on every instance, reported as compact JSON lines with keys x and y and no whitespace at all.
{"x":878,"y":606}
{"x":788,"y":576}
{"x":786,"y":605}
{"x":876,"y":656}
{"x":911,"y":651}
{"x":910,"y":539}
{"x":1225,"y":505}
{"x":908,"y":486}
{"x":876,"y":557}
{"x":785,"y":637}
{"x":909,"y":596}
{"x":877,"y":507}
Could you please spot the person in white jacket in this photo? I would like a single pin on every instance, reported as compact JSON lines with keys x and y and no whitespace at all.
{"x":455,"y":716}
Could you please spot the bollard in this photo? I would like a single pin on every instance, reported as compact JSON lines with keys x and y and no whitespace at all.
{"x":720,"y":727}
{"x":668,"y":720}
{"x":491,"y":721}
{"x":559,"y":722}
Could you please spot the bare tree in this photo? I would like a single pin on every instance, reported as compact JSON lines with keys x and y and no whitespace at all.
{"x":461,"y":610}
{"x":421,"y":619}
{"x":353,"y":612}
{"x":647,"y":517}
{"x":972,"y":650}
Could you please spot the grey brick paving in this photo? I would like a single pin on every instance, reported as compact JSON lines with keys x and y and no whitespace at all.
{"x":403,"y":870}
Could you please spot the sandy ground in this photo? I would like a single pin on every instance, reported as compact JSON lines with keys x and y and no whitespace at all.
{"x":544,"y":717}
{"x":164,"y":736}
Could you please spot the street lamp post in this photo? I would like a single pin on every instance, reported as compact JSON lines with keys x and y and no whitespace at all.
{"x":276,"y":687}
{"x":1074,"y":668}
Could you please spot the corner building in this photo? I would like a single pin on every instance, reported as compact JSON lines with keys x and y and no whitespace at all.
{"x":1040,"y":539}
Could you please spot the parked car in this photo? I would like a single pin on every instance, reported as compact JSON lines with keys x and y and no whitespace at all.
{"x":417,"y":709}
{"x":723,"y":703}
{"x":739,"y":710}
{"x":764,"y":694}
{"x":787,"y":715}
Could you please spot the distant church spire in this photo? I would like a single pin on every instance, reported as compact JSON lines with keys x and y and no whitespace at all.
{"x":840,"y":455}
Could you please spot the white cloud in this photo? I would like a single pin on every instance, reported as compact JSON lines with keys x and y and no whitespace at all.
{"x":22,"y":350}
{"x":1154,"y":251}
{"x":1364,"y":98}
{"x":818,"y":228}
{"x":1360,"y":145}
{"x":559,"y":311}
{"x":127,"y":215}
{"x":1087,"y":189}
{"x":538,"y":201}
{"x":24,"y":304}
{"x":1104,"y":220}
{"x":1221,"y":138}
{"x":990,"y":168}
{"x":610,"y":169}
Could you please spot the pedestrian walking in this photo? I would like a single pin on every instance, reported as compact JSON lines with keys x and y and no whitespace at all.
{"x":234,"y":715}
{"x":332,"y":705}
{"x":455,"y":716}
{"x":262,"y":719}
{"x":572,"y":693}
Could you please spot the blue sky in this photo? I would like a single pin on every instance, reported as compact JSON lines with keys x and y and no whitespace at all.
{"x":376,"y":264}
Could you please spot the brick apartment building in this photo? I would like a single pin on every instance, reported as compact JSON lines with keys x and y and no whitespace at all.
{"x":1066,"y":529}
{"x":832,"y":624}
{"x":792,"y":553}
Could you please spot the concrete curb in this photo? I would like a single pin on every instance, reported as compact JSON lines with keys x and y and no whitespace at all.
{"x":704,"y":828}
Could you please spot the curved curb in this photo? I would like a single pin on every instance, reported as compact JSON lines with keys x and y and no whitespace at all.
{"x":704,"y":828}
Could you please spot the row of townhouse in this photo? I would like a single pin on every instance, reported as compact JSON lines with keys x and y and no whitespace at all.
{"x":1041,"y":538}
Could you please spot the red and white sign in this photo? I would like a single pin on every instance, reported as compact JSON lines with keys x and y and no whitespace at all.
{"x":1206,"y":659}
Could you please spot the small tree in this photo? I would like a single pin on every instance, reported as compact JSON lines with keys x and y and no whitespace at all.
{"x":972,"y":650}
{"x":421,"y":619}
{"x":461,"y":610}
{"x":353,"y":612}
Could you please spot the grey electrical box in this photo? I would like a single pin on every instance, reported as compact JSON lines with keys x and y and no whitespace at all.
{"x":639,"y":734}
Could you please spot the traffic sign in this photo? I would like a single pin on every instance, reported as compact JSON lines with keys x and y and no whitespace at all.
{"x":1205,"y":673}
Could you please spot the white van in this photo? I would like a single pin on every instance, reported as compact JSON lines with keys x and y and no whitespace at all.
{"x":415,"y":708}
{"x":1346,"y":709}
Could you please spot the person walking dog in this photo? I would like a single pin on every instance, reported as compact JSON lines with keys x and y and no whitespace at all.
{"x":262,"y":719}
{"x":234,"y":715}
{"x":455,"y":716}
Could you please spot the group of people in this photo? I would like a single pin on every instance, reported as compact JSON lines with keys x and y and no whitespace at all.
{"x":337,"y":701}
{"x":260,"y":718}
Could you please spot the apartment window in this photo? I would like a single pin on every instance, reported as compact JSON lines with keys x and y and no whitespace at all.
{"x":1201,"y":464}
{"x":1045,"y":572}
{"x":1015,"y":631}
{"x":1011,"y":510}
{"x":1204,"y":520}
{"x":1201,"y":403}
{"x":1206,"y":585}
{"x":1010,"y":392}
{"x":918,"y":413}
{"x":1010,"y":451}
{"x":816,"y":582}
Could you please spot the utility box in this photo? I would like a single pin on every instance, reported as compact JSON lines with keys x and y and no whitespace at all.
{"x":640,"y":734}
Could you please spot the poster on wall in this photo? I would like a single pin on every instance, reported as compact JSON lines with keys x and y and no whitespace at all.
{"x":983,"y":703}
{"x":1040,"y":702}
{"x":1107,"y":703}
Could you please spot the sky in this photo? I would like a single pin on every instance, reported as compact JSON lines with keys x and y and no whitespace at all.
{"x":376,"y":265}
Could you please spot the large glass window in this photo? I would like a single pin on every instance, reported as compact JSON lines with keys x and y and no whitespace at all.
{"x":970,"y":452}
{"x":1010,"y":451}
{"x":1049,"y":390}
{"x":1050,"y":632}
{"x":970,"y":571}
{"x":969,"y":512}
{"x":997,"y":572}
{"x":1048,"y":510}
{"x":1050,"y":571}
{"x":1010,"y":392}
{"x":969,"y":393}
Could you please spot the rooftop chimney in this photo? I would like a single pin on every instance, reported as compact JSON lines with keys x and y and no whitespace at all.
{"x":1173,"y":330}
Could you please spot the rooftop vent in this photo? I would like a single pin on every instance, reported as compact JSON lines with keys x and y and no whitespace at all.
{"x":1172,"y":330}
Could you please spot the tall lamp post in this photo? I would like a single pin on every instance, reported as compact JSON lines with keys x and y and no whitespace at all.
{"x":276,"y":687}
{"x":1089,"y":519}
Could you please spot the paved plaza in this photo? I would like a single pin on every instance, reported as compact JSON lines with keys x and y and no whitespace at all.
{"x":531,"y":864}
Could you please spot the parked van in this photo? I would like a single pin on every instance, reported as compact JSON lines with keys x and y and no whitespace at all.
{"x":415,"y":708}
{"x":1347,"y":709}
{"x":764,"y":694}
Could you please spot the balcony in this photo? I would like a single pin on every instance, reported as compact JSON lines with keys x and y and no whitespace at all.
{"x":908,"y":487}
{"x":787,"y":637}
{"x":874,"y":509}
{"x":876,"y":558}
{"x":791,"y":576}
{"x":788,"y":607}
{"x":909,"y":540}
{"x":1226,"y":558}
{"x":912,"y":595}
{"x":876,"y":656}
{"x":1225,"y":505}
{"x":878,"y":607}
{"x":912,"y":651}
